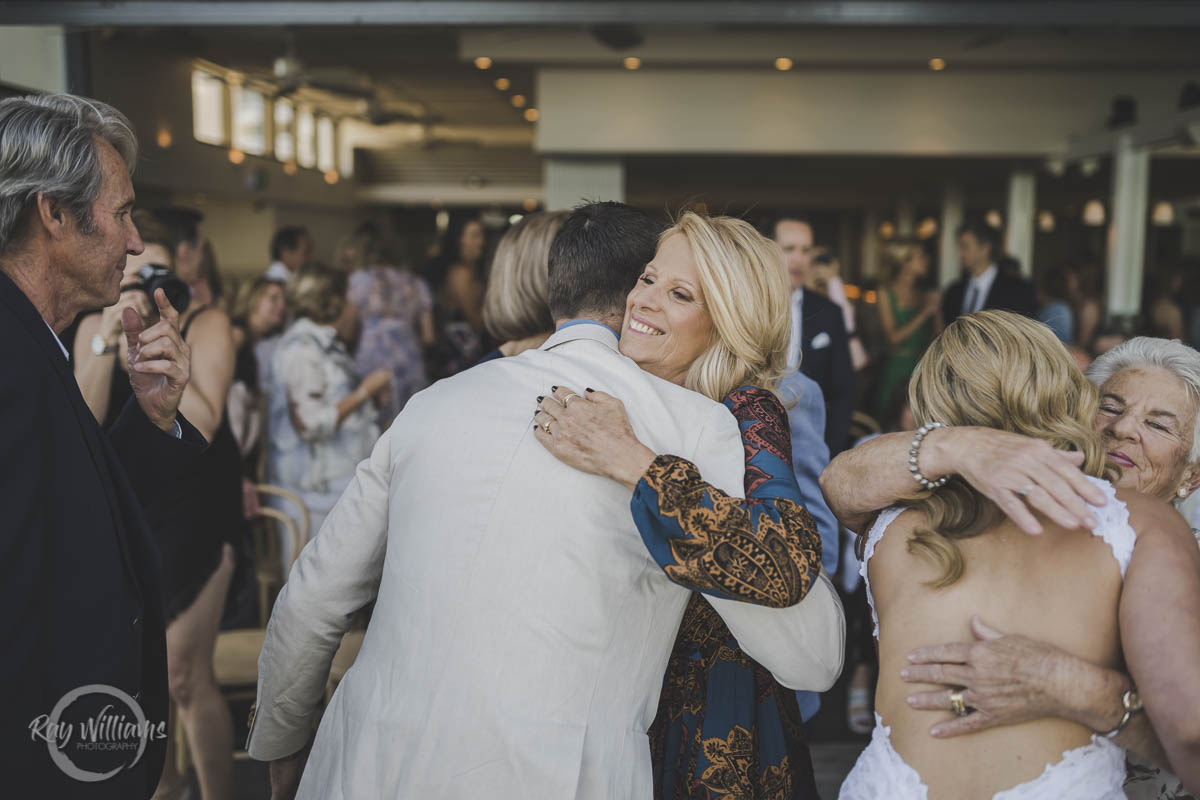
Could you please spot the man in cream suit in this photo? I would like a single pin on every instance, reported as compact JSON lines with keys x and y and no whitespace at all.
{"x":521,"y":629}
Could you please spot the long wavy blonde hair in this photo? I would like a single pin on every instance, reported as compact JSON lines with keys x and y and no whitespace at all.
{"x":746,"y":289}
{"x":995,"y":369}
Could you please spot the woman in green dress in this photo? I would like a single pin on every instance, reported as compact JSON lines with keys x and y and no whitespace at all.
{"x":910,"y":317}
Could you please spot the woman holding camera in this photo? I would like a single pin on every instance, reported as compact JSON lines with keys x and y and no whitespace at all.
{"x":197,"y":520}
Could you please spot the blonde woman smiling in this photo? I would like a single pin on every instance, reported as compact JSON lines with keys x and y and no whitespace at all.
{"x":710,"y":313}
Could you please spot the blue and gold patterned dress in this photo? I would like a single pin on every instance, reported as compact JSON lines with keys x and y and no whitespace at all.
{"x":725,"y":728}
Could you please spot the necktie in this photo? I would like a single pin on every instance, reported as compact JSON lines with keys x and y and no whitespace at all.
{"x":972,"y":296}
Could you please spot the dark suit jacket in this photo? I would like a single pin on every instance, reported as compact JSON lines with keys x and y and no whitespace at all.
{"x":1008,"y":292}
{"x":78,"y":570}
{"x":829,"y":365}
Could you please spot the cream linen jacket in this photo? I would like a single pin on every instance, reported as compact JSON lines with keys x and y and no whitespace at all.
{"x":521,"y":630}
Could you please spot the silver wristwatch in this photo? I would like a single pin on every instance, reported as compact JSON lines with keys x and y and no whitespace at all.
{"x":100,"y":348}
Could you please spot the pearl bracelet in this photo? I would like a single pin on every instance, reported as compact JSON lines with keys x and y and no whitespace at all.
{"x":913,"y":452}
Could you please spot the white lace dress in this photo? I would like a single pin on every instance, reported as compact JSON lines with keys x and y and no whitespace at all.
{"x":1095,"y":771}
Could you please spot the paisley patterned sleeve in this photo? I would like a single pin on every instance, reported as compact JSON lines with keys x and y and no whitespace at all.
{"x":764,"y":549}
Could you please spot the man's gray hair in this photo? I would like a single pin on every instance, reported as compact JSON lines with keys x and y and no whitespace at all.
{"x":1170,"y":354}
{"x":48,"y":145}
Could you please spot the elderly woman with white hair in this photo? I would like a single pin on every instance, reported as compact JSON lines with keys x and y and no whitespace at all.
{"x":1149,"y":421}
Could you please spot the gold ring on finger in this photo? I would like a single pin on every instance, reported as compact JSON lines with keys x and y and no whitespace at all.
{"x":546,"y":427}
{"x":957,"y":703}
{"x":566,"y":400}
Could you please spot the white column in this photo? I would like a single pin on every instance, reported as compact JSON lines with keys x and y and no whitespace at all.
{"x":1018,"y":241}
{"x":906,"y":223}
{"x":845,"y":234}
{"x":1127,"y":236}
{"x":870,"y":245}
{"x":952,"y":217}
{"x":571,"y":181}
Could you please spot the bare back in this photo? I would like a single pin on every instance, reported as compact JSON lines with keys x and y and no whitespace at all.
{"x":1060,"y":587}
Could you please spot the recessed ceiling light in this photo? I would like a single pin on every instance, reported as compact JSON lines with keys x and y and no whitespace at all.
{"x":518,"y":100}
{"x":937,"y":64}
{"x":633,"y":62}
{"x":531,"y":115}
{"x":783,"y":64}
{"x":483,"y":62}
{"x":503,"y":83}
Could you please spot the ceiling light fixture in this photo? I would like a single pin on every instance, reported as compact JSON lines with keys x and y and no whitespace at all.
{"x":503,"y":83}
{"x":633,"y":62}
{"x":784,"y":64}
{"x":937,"y":64}
{"x":531,"y":115}
{"x":483,"y":62}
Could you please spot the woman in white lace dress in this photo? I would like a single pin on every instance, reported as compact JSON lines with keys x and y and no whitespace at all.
{"x":1148,"y":421}
{"x":950,"y":549}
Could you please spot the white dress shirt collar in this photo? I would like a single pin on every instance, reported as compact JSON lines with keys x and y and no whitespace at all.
{"x":61,"y":346}
{"x":982,"y":284}
{"x":795,"y":342}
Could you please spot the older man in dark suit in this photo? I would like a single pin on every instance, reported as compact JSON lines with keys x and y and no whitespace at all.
{"x":84,"y":663}
{"x":819,"y":344}
{"x":986,"y":283}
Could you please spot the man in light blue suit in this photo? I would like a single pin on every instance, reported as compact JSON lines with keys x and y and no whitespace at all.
{"x":810,"y":454}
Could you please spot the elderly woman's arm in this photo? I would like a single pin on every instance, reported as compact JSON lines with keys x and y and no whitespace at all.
{"x":1018,"y":473}
{"x":1160,"y":630}
{"x":1010,"y":679}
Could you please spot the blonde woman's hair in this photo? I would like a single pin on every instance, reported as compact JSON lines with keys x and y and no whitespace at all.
{"x":746,"y":289}
{"x":515,"y":306}
{"x":995,"y":369}
{"x":318,"y":292}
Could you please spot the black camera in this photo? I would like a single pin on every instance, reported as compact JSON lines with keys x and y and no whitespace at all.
{"x":156,"y":276}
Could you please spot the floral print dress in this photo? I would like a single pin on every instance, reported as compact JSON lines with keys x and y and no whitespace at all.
{"x":725,"y":728}
{"x":390,"y":302}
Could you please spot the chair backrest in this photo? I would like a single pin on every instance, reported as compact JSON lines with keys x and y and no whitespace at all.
{"x":301,"y":509}
{"x":269,"y":570}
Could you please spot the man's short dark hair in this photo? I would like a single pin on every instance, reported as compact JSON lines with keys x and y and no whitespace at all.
{"x":596,"y":258}
{"x":983,"y":233}
{"x":286,"y":238}
{"x":182,"y":224}
{"x":787,"y":216}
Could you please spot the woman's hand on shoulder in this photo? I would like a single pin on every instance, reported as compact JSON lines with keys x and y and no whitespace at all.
{"x":591,"y":432}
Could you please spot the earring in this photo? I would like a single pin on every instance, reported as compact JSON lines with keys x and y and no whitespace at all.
{"x":1183,"y":492}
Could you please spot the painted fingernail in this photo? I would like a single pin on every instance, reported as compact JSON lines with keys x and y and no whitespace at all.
{"x":554,"y":388}
{"x":904,"y":675}
{"x":589,"y":390}
{"x":912,"y":701}
{"x":541,"y":398}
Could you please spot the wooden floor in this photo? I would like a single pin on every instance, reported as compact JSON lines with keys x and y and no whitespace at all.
{"x":831,"y":762}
